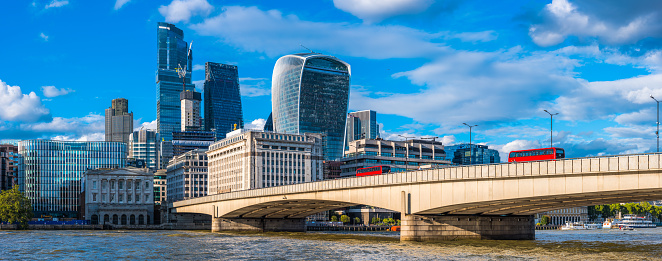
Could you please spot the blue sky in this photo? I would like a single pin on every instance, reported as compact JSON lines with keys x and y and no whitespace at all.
{"x":425,"y":66}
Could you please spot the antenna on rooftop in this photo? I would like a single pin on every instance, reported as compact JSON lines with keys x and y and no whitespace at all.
{"x":307,"y":48}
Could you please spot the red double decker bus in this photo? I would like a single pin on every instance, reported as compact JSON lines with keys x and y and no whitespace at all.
{"x":536,"y":154}
{"x":376,"y":170}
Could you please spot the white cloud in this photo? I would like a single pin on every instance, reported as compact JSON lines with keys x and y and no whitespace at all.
{"x":56,"y":3}
{"x":274,"y":33}
{"x":16,"y":106}
{"x":198,"y":67}
{"x":183,"y":10}
{"x":97,"y":136}
{"x":43,"y":36}
{"x":484,"y":36}
{"x":505,"y":149}
{"x":151,"y":125}
{"x":254,"y":87}
{"x":372,"y":11}
{"x":51,"y":91}
{"x":257,"y":124}
{"x":199,"y":85}
{"x":120,"y":3}
{"x":614,"y":22}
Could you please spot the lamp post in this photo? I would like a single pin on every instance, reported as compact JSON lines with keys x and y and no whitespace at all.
{"x":406,"y":150}
{"x":551,"y":135}
{"x":471,"y":151}
{"x":657,"y":133}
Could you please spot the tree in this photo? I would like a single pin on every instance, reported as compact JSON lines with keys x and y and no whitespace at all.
{"x":375,"y":220}
{"x":15,"y":208}
{"x":544,"y":220}
{"x":344,"y":219}
{"x":357,"y":220}
{"x":334,"y":219}
{"x":389,"y":221}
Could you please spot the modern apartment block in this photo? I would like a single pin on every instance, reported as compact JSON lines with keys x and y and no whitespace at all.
{"x":53,"y":172}
{"x":118,"y":196}
{"x":144,"y":145}
{"x":10,"y":162}
{"x":310,"y":94}
{"x":468,"y":154}
{"x":187,"y":176}
{"x":399,"y":155}
{"x":361,"y":125}
{"x":119,"y":121}
{"x":223,"y":112}
{"x":250,"y":159}
{"x":172,"y":54}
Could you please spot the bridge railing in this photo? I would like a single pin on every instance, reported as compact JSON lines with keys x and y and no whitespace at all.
{"x":570,"y":166}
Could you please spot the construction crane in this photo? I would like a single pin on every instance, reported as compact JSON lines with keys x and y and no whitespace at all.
{"x":182,"y":72}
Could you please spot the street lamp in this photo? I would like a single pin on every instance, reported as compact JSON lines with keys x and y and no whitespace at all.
{"x":470,"y":127}
{"x":551,"y":116}
{"x":471,"y":151}
{"x":407,"y":151}
{"x":657,"y":133}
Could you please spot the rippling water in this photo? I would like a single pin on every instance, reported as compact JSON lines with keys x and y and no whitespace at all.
{"x":643,"y":244}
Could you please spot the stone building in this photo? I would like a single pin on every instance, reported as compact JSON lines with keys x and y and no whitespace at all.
{"x":160,"y":187}
{"x":561,"y":216}
{"x":118,"y":196}
{"x":187,"y":176}
{"x":255,"y":159}
{"x":119,"y":121}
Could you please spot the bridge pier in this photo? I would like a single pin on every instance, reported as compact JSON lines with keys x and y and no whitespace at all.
{"x":258,"y":224}
{"x":452,"y":227}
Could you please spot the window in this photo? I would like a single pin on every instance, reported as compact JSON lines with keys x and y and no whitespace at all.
{"x":128,"y":198}
{"x":94,"y":185}
{"x":103,"y":197}
{"x":138,"y":197}
{"x":121,"y":198}
{"x":146,"y":198}
{"x":137,"y":184}
{"x":112,"y":197}
{"x":112,"y":185}
{"x":120,"y":184}
{"x":94,"y":197}
{"x":103,"y":184}
{"x":128,"y":184}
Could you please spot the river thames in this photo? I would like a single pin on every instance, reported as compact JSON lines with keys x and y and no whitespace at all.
{"x":643,"y":244}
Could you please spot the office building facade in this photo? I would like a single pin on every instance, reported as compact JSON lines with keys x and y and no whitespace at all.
{"x":468,"y":154}
{"x":10,"y":162}
{"x":223,"y":111}
{"x":53,"y":171}
{"x":361,"y":125}
{"x":399,"y":155}
{"x":119,"y":121}
{"x":144,"y":145}
{"x":310,"y":94}
{"x":118,"y":196}
{"x":187,"y":176}
{"x":160,"y":187}
{"x":254,"y":159}
{"x":190,"y":102}
{"x":172,"y":54}
{"x":185,"y":141}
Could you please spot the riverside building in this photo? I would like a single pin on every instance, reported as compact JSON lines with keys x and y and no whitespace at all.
{"x":118,"y":196}
{"x":144,"y":145}
{"x":255,"y":159}
{"x":187,"y":176}
{"x":399,"y":155}
{"x":310,"y":94}
{"x":53,"y":172}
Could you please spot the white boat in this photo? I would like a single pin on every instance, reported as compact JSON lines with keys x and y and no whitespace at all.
{"x":574,"y":226}
{"x":593,"y":226}
{"x":607,"y":225}
{"x":633,"y":221}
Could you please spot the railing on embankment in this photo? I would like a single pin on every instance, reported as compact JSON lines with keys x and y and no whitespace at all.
{"x":549,"y":227}
{"x":348,"y":228}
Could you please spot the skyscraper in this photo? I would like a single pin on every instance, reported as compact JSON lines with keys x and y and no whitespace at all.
{"x":191,"y":120}
{"x":144,"y":145}
{"x":361,"y":125}
{"x":310,"y":94}
{"x":172,"y":54}
{"x":222,"y":99}
{"x":119,"y":122}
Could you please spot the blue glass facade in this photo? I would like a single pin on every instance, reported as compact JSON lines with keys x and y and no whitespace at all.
{"x":310,"y":93}
{"x":465,"y":154}
{"x":52,"y":171}
{"x":222,"y":99}
{"x":172,"y":52}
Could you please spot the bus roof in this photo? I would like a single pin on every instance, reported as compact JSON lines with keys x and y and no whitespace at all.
{"x":537,"y":149}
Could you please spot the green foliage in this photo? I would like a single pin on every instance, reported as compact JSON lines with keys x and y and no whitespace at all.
{"x":15,"y":208}
{"x":389,"y":221}
{"x":544,"y":220}
{"x":397,"y":222}
{"x":344,"y":219}
{"x":375,"y":220}
{"x":334,"y":219}
{"x":640,"y":209}
{"x":357,"y":220}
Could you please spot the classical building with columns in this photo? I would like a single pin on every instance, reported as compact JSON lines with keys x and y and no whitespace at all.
{"x":122,"y":196}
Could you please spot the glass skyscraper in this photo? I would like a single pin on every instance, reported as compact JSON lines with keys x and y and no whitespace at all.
{"x":172,"y":54}
{"x":361,"y":125}
{"x":310,"y":93}
{"x":53,"y":170}
{"x":469,"y":154}
{"x":222,"y":99}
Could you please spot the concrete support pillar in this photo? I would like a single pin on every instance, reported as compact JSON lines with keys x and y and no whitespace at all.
{"x":258,"y":224}
{"x":452,"y":227}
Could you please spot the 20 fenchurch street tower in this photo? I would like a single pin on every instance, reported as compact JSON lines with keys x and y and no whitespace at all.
{"x":310,"y":93}
{"x":222,"y":99}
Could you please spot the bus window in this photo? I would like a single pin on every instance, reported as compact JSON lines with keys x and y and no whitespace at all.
{"x":560,"y":153}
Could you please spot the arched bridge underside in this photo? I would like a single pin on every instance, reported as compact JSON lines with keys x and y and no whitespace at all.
{"x":495,"y":190}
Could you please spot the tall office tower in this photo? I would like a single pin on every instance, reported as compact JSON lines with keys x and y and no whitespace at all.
{"x":144,"y":145}
{"x":119,"y":121}
{"x":190,"y":101}
{"x":53,"y":172}
{"x":9,"y":163}
{"x":361,"y":125}
{"x":223,"y":112}
{"x":172,"y":54}
{"x":269,"y":125}
{"x":310,"y":94}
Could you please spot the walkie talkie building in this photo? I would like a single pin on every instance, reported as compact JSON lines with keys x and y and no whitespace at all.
{"x":310,"y":94}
